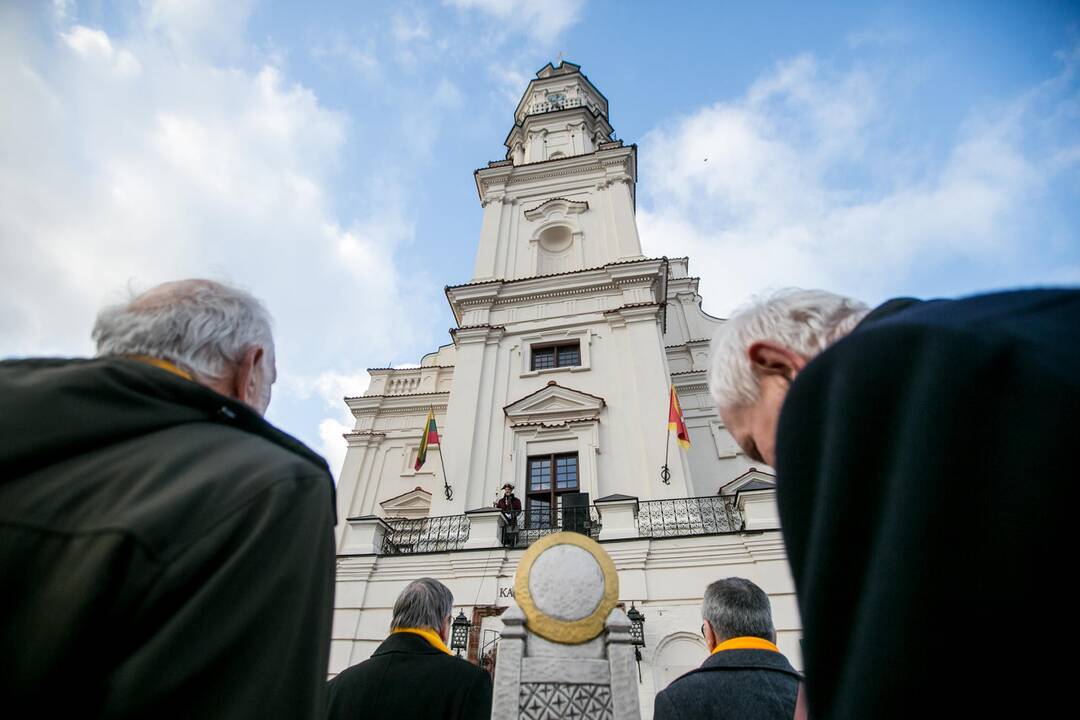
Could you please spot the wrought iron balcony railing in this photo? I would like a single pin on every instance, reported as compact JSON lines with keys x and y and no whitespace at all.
{"x":430,"y":534}
{"x":585,"y":520}
{"x":709,"y":515}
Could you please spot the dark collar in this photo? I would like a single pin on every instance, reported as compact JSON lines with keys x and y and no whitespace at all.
{"x":407,"y":643}
{"x":887,"y":308}
{"x":748,"y":658}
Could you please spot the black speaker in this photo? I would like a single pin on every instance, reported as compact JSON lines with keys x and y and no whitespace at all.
{"x":575,"y":512}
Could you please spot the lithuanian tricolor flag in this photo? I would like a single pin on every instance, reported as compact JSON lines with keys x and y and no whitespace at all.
{"x":675,"y":422}
{"x":431,"y":437}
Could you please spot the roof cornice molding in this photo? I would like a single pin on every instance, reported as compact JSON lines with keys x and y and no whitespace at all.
{"x":367,"y":405}
{"x":623,"y":271}
{"x":493,"y":182}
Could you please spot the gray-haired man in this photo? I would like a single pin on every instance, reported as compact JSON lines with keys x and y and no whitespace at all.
{"x":745,"y":676}
{"x":165,"y":551}
{"x":925,"y":456}
{"x":412,"y":674}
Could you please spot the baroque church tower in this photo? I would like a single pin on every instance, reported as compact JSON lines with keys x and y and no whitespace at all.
{"x":566,"y":344}
{"x":557,"y":379}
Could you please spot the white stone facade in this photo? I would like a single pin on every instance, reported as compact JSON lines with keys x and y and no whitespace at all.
{"x":558,"y":263}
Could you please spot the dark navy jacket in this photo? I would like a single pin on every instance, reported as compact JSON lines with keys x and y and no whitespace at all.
{"x":927,"y":473}
{"x":735,"y":685}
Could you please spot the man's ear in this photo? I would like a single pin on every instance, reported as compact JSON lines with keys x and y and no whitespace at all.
{"x":710,"y":636}
{"x":246,"y":379}
{"x":769,"y":358}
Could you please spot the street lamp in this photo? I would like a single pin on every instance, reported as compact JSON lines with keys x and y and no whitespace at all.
{"x":459,"y":633}
{"x":637,"y":633}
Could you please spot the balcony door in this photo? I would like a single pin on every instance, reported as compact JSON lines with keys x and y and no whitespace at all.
{"x":550,"y":477}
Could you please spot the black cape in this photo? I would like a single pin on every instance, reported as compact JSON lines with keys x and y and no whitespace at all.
{"x":926,"y":466}
{"x":164,"y":551}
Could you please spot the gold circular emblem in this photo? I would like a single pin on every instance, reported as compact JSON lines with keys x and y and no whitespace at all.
{"x":570,"y":632}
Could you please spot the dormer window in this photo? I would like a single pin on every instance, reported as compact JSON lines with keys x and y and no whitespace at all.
{"x":545,"y":357}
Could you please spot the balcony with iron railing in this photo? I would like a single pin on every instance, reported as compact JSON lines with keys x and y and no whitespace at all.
{"x":615,"y":517}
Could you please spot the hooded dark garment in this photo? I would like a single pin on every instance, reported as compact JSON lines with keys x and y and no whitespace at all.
{"x":926,"y":471}
{"x":164,"y":551}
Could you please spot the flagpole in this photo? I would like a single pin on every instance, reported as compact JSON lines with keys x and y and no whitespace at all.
{"x":447,"y":490}
{"x":665,"y":473}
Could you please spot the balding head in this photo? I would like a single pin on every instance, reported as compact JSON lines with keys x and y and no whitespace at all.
{"x":219,"y":334}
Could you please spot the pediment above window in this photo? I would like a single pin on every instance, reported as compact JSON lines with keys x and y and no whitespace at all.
{"x":752,"y":479}
{"x":554,"y":404}
{"x":414,"y":504}
{"x":556,"y":207}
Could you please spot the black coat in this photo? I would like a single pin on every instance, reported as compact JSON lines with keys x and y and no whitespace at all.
{"x":407,"y":678}
{"x":744,"y":684}
{"x":926,"y":483}
{"x":164,"y":551}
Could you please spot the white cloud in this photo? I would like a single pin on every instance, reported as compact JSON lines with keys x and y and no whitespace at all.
{"x":333,"y":446}
{"x":198,"y":29}
{"x":332,"y":387}
{"x":790,"y":185}
{"x":360,"y":58}
{"x":196,"y":166}
{"x":543,"y":21}
{"x":95,"y":44}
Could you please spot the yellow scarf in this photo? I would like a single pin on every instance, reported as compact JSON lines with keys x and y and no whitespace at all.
{"x":162,"y":364}
{"x":745,"y":643}
{"x":430,"y":635}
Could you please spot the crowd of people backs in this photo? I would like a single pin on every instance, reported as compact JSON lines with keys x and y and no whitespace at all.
{"x":167,"y":552}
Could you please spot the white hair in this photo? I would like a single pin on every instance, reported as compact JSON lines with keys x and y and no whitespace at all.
{"x":805,"y":321}
{"x":202,"y":326}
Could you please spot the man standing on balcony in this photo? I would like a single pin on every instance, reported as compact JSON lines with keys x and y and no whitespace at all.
{"x":511,"y":510}
{"x":925,"y":453}
{"x":745,"y":676}
{"x":412,"y":674}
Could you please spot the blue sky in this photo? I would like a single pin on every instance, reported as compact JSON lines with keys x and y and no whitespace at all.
{"x":321,"y":154}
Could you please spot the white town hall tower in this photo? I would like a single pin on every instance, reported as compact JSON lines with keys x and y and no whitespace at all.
{"x":567,"y":343}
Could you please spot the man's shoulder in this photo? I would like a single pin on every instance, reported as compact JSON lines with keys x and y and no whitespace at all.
{"x":1010,"y":313}
{"x":447,"y":668}
{"x":741,"y":659}
{"x":735,"y":683}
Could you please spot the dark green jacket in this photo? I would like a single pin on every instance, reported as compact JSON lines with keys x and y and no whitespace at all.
{"x":164,"y":551}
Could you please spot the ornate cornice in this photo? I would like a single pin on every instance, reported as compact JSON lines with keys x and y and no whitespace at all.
{"x":698,"y":387}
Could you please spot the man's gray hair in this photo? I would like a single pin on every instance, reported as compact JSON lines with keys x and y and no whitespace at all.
{"x":201,"y":326}
{"x":806,"y":321}
{"x":736,"y":607}
{"x":424,"y":603}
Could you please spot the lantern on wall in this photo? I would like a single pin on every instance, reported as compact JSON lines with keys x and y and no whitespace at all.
{"x":459,"y":633}
{"x":637,"y":633}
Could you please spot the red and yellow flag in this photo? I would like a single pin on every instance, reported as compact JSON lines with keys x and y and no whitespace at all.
{"x":675,"y":421}
{"x":430,"y":437}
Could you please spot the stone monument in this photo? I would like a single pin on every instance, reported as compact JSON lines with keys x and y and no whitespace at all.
{"x":565,"y":650}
